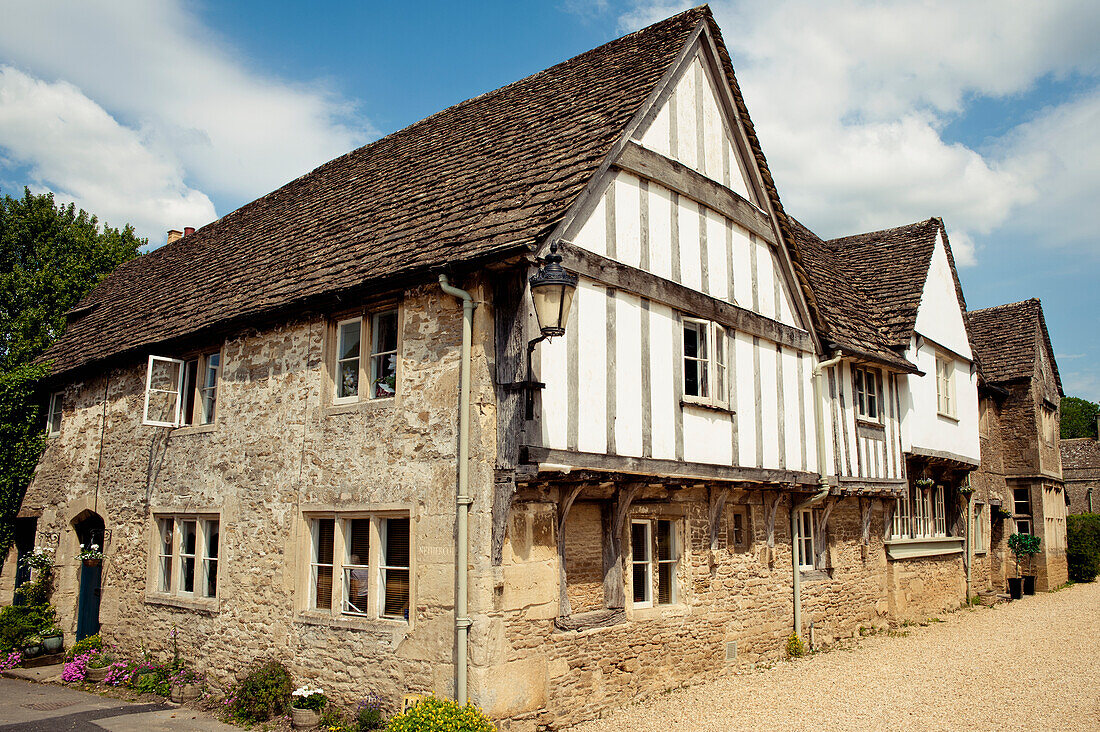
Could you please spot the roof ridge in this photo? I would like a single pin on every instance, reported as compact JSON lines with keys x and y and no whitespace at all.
{"x":1028,"y":301}
{"x":888,"y":230}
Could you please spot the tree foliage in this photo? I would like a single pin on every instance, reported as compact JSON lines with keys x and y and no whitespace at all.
{"x":50,"y":257}
{"x":1079,"y":418}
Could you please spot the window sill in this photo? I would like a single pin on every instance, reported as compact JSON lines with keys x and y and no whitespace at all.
{"x":707,"y":406}
{"x":924,"y":547}
{"x":197,"y":429}
{"x":674,"y":610}
{"x":949,"y":417}
{"x":360,"y":406}
{"x":210,"y":606}
{"x":873,"y":424}
{"x":813,"y":575}
{"x":351,"y":622}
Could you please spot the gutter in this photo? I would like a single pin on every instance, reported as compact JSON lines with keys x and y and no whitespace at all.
{"x":823,"y":482}
{"x":462,"y":495}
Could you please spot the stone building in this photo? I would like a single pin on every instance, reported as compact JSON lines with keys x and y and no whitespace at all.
{"x":740,"y":434}
{"x":1018,"y":488}
{"x":1081,"y":472}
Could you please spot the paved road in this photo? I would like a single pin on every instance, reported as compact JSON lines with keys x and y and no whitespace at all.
{"x":29,"y":707}
{"x":1027,"y":665}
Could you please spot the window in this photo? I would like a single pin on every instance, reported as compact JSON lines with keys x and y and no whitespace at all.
{"x":901,"y":518}
{"x":1023,"y":526}
{"x":371,"y":556}
{"x":805,"y":539}
{"x":187,"y":556}
{"x":868,"y":384}
{"x":379,"y":369}
{"x":945,"y":386}
{"x":739,"y":536}
{"x":921,"y":513}
{"x":705,"y":379}
{"x":939,"y":515}
{"x":655,"y":557}
{"x":53,"y":418}
{"x":1021,"y":508}
{"x":181,"y":392}
{"x":979,"y":527}
{"x":1048,"y":417}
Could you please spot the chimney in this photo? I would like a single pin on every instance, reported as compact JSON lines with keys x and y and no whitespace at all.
{"x":188,"y":230}
{"x":174,"y":235}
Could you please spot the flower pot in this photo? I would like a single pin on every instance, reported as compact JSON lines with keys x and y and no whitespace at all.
{"x":1015,"y":587}
{"x":185,"y":693}
{"x":96,"y":675}
{"x":91,"y":562}
{"x":32,"y":650}
{"x":52,"y":643}
{"x":304,"y":718}
{"x":1029,"y":584}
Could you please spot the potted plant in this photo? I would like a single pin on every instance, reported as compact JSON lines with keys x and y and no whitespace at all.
{"x":305,"y":707}
{"x":99,"y":664}
{"x":90,"y":556}
{"x":1030,"y":548}
{"x":1022,"y":545}
{"x":186,"y":685}
{"x":32,"y":646}
{"x":53,"y":639}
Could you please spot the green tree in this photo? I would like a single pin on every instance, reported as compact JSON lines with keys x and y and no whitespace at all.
{"x":50,"y":257}
{"x":1078,"y":418}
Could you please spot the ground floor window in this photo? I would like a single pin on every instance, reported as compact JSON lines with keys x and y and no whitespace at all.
{"x":360,"y":565}
{"x":654,"y":559}
{"x":979,"y":527}
{"x":921,"y":513}
{"x":805,"y":539}
{"x":187,"y":555}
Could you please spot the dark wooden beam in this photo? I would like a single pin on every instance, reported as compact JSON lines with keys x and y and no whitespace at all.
{"x":692,"y":302}
{"x":696,"y":186}
{"x":663,"y":468}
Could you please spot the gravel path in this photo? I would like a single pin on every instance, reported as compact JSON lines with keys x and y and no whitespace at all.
{"x":1033,"y":664}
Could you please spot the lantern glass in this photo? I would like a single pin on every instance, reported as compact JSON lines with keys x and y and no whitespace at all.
{"x":552,"y":302}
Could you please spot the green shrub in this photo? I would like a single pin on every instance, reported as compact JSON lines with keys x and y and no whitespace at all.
{"x":433,"y":714}
{"x":91,"y":643}
{"x":1083,"y":546}
{"x":795,"y":647}
{"x":20,"y":622}
{"x":262,"y":694}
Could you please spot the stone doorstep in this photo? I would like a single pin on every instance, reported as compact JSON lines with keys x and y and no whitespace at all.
{"x":52,"y":659}
{"x":38,"y":674}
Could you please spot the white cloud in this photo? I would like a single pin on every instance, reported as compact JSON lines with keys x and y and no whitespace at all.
{"x":76,"y":149}
{"x":850,"y":99}
{"x":227,"y":130}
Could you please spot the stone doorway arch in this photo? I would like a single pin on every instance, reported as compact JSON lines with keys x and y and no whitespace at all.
{"x":90,"y":530}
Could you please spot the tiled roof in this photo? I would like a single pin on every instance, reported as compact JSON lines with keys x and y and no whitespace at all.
{"x":1007,"y":340}
{"x":1080,"y":454}
{"x":850,"y":318}
{"x":488,"y":177}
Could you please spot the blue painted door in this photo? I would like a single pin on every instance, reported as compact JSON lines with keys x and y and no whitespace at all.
{"x":87,"y":607}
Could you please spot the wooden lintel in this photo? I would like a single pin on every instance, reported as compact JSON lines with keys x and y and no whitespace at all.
{"x":658,"y":289}
{"x":663,"y":468}
{"x":687,"y":182}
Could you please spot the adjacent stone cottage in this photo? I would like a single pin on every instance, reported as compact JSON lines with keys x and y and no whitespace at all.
{"x":1018,"y":488}
{"x":1081,"y":472}
{"x":737,"y":432}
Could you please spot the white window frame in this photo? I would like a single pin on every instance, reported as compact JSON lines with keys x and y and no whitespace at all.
{"x":54,"y":412}
{"x":864,"y":398}
{"x":178,"y":391}
{"x":338,"y":362}
{"x":945,"y":386}
{"x":171,"y":555}
{"x":939,"y":511}
{"x":979,"y":527}
{"x":715,"y":361}
{"x":673,"y":563}
{"x":645,"y":562}
{"x":203,"y":388}
{"x":921,"y":514}
{"x":368,"y":355}
{"x":902,"y":527}
{"x":375,"y":566}
{"x":806,"y":540}
{"x":376,"y":356}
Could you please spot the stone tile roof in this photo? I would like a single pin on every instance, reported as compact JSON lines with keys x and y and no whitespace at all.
{"x":1006,"y":339}
{"x":1080,"y":457}
{"x":483,"y":179}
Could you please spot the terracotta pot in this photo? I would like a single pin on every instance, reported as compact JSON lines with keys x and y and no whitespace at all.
{"x":96,"y":675}
{"x":304,"y":718}
{"x":185,"y":693}
{"x":52,"y":643}
{"x":1029,"y":584}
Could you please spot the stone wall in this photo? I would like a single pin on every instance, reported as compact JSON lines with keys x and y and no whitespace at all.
{"x":278,"y":450}
{"x":584,"y":557}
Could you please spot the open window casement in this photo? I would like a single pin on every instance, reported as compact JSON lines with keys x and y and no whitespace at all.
{"x":163,"y":391}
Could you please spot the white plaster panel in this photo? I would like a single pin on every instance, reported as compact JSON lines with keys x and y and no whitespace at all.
{"x":660,"y":231}
{"x":714,"y":134}
{"x":554,"y":372}
{"x":742,"y":266}
{"x":656,"y":137}
{"x":746,"y":401}
{"x":939,"y":316}
{"x":769,"y":404}
{"x":791,"y":415}
{"x":809,"y":415}
{"x":690,"y":268}
{"x":628,"y":375}
{"x":923,"y":426}
{"x":627,"y":219}
{"x":664,"y":403}
{"x":592,"y":334}
{"x":765,"y":278}
{"x":685,"y":117}
{"x":716,"y":255}
{"x":593,"y":232}
{"x":706,"y":436}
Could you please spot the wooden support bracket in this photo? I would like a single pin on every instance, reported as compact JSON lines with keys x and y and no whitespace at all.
{"x":563,"y":514}
{"x":771,"y":504}
{"x":614,"y":586}
{"x":865,"y":519}
{"x":718,"y":497}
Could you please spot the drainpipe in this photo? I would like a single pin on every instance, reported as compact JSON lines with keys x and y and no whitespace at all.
{"x":462,"y":497}
{"x":823,"y":484}
{"x":969,"y":541}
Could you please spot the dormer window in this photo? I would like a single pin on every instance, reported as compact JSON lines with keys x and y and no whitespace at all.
{"x":868,"y":386}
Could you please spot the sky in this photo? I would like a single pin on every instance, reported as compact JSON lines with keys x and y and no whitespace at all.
{"x":165,"y":114}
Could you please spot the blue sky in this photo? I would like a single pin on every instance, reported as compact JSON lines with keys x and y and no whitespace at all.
{"x":166,"y":114}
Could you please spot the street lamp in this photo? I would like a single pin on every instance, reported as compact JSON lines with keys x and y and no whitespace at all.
{"x":552,"y":290}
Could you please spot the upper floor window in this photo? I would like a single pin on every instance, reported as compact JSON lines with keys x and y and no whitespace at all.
{"x":53,"y":417}
{"x":945,"y":386}
{"x":805,"y":538}
{"x":1021,"y":507}
{"x":366,"y":353}
{"x":705,"y":378}
{"x":360,"y":564}
{"x":182,"y":392}
{"x":654,"y":559}
{"x":187,"y":555}
{"x":1048,"y":419}
{"x":868,"y":386}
